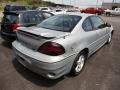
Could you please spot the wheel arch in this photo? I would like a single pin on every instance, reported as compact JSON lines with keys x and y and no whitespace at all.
{"x":86,"y":50}
{"x":112,"y":32}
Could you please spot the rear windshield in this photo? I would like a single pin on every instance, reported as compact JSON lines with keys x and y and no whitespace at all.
{"x":10,"y":18}
{"x":32,"y":18}
{"x":64,"y":23}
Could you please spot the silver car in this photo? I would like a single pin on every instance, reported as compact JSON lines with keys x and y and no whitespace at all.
{"x":61,"y":44}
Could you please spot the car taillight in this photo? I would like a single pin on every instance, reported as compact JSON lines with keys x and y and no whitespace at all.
{"x":15,"y":26}
{"x":51,"y":48}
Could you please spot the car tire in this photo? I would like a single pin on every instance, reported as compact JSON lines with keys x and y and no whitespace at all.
{"x":108,"y":13}
{"x":79,"y":63}
{"x":98,"y":13}
{"x":110,"y":38}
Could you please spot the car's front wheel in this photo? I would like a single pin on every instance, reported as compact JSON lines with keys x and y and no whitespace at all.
{"x":79,"y":63}
{"x":110,"y":38}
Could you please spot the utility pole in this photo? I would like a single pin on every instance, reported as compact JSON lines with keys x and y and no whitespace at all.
{"x":103,"y":1}
{"x":112,"y":3}
{"x":96,"y":3}
{"x":102,"y":4}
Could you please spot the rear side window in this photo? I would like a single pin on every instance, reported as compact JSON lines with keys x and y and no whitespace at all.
{"x":47,"y":15}
{"x":32,"y":17}
{"x":10,"y":18}
{"x":87,"y":26}
{"x":97,"y":22}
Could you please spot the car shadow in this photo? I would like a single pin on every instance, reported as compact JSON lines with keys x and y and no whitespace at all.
{"x":33,"y":77}
{"x":6,"y":44}
{"x":106,"y":46}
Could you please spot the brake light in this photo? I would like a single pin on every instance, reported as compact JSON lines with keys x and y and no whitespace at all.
{"x":15,"y":26}
{"x":51,"y":48}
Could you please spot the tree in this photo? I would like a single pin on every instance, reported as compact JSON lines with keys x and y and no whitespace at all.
{"x":34,"y":2}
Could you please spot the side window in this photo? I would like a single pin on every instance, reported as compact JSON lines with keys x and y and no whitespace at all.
{"x":97,"y":22}
{"x":117,"y":10}
{"x":32,"y":17}
{"x":47,"y":15}
{"x":87,"y":26}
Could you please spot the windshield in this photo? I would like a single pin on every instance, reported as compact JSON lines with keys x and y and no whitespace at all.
{"x":64,"y":23}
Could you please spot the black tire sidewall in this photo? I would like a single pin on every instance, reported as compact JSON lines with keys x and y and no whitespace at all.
{"x":73,"y":71}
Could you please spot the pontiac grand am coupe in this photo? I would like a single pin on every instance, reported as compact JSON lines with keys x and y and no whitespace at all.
{"x":61,"y":44}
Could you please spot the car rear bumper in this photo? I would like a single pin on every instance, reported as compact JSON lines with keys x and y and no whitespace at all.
{"x":8,"y":36}
{"x":52,"y":70}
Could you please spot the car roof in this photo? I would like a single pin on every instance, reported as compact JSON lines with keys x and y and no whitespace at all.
{"x":78,"y":14}
{"x":24,"y":11}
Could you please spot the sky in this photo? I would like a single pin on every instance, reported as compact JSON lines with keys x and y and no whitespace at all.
{"x":81,"y":2}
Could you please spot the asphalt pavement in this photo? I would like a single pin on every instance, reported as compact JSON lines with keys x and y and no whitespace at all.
{"x":102,"y":70}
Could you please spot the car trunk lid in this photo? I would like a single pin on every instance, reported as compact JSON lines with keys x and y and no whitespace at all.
{"x":34,"y":37}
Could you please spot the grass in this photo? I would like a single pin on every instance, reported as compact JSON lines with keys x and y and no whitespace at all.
{"x":1,"y":10}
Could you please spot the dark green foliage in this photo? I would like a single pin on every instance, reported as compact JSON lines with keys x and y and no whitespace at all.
{"x":32,"y":2}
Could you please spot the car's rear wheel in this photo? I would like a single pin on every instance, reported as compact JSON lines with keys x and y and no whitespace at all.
{"x":79,"y":63}
{"x":108,"y":13}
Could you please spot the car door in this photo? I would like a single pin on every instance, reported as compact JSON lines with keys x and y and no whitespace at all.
{"x":117,"y":11}
{"x":87,"y":10}
{"x":90,"y":35}
{"x":101,"y":29}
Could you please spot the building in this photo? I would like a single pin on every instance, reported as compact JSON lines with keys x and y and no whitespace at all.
{"x":110,"y":5}
{"x":63,"y":5}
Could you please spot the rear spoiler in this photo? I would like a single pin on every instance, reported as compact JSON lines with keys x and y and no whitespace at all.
{"x":33,"y":35}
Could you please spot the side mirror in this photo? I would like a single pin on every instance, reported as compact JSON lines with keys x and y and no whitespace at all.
{"x":108,"y":25}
